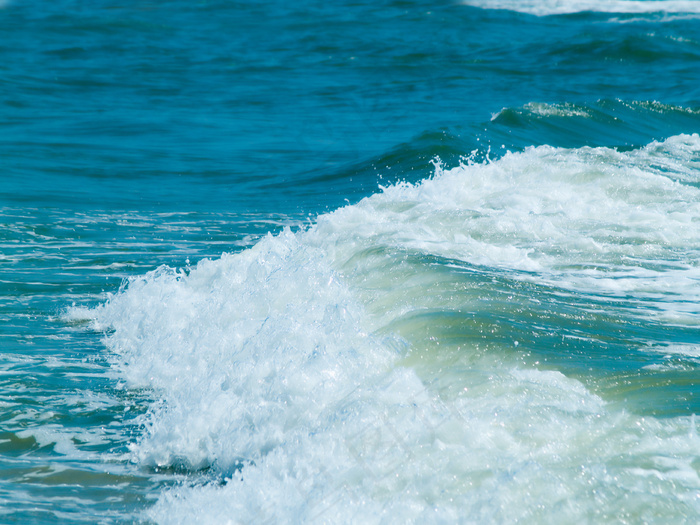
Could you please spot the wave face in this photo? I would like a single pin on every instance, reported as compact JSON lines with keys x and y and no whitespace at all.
{"x":507,"y":331}
{"x":468,"y":347}
{"x":558,"y":7}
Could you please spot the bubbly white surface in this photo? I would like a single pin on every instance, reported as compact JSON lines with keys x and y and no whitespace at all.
{"x":276,"y":373}
{"x":557,"y":7}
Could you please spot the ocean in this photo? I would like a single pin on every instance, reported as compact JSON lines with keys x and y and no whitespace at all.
{"x":398,"y":261}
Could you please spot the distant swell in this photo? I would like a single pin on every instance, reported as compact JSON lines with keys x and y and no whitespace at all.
{"x":556,"y":7}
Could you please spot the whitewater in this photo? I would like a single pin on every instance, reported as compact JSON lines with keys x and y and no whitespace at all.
{"x":409,"y":358}
{"x":350,"y":262}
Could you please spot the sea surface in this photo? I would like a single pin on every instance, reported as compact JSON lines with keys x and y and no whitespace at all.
{"x":350,"y":262}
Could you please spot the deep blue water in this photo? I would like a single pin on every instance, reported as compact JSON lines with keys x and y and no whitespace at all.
{"x":555,"y":267}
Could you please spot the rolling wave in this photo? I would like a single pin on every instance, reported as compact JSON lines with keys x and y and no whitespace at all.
{"x":459,"y":346}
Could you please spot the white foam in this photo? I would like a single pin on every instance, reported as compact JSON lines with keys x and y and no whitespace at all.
{"x":593,"y":219}
{"x":529,"y":446}
{"x":540,"y":109}
{"x":277,"y":373}
{"x":684,"y":350}
{"x":558,"y":7}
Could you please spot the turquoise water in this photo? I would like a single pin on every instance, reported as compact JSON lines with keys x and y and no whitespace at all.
{"x":350,"y":262}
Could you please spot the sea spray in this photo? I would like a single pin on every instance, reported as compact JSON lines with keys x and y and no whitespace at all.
{"x":344,"y":373}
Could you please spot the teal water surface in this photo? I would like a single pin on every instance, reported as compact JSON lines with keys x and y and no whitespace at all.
{"x":459,"y":279}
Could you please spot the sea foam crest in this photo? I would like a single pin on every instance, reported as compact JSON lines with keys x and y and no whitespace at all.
{"x":275,"y":373}
{"x":592,"y":219}
{"x":558,"y":7}
{"x":245,"y":350}
{"x":546,"y":110}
